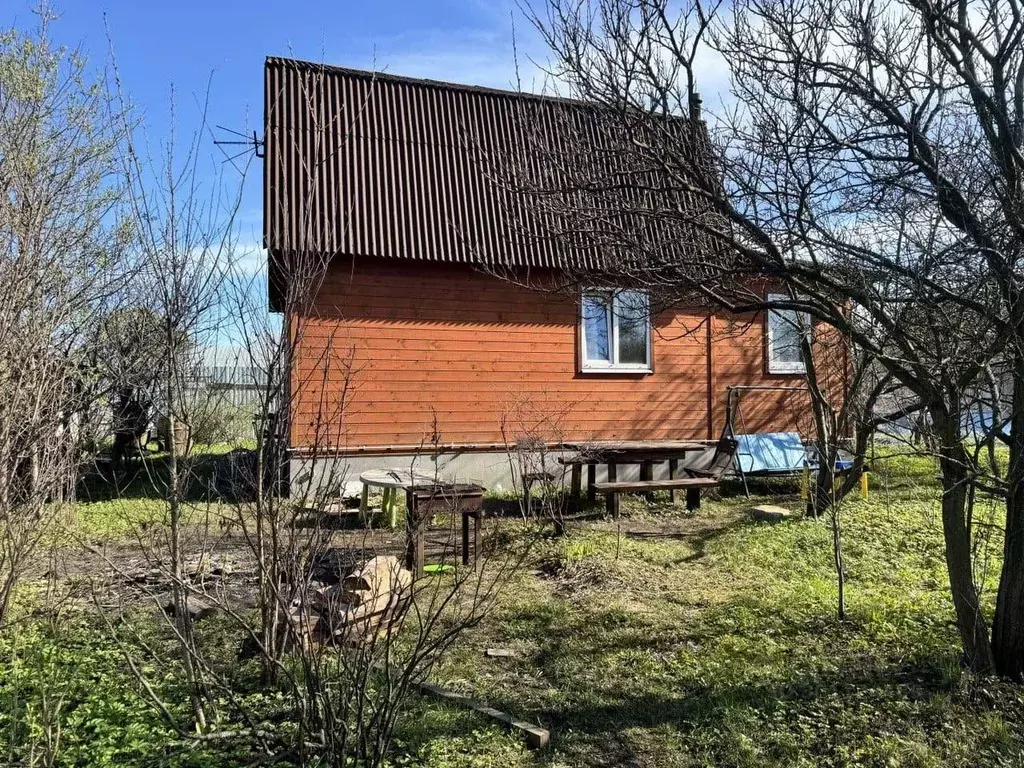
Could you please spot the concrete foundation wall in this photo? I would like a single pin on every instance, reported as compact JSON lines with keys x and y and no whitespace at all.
{"x":496,"y":471}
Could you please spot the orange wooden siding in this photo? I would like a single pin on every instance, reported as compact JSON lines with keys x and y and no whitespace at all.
{"x":395,"y":350}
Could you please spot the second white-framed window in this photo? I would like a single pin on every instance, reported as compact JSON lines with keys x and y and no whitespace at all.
{"x":786,"y":330}
{"x":615,"y":331}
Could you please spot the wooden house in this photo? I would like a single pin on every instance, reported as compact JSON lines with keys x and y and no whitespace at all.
{"x":426,"y":340}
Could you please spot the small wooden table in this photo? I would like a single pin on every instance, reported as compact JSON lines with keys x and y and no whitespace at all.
{"x":424,"y":501}
{"x":615,"y":452}
{"x":391,"y":480}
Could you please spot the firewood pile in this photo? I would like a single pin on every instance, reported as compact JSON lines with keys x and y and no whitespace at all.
{"x":366,"y":604}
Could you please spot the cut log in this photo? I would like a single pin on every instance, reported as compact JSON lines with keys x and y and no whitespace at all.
{"x":382,"y":575}
{"x":367,"y":601}
{"x":769,"y":513}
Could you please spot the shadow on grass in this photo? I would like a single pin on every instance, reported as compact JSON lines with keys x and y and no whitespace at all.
{"x":207,"y":478}
{"x":870,"y":690}
{"x":697,"y":540}
{"x":622,"y":687}
{"x":700,"y":713}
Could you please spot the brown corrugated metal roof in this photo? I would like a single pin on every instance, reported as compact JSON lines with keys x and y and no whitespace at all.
{"x":366,"y":163}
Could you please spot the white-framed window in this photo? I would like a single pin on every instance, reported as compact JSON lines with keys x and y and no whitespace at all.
{"x":615,"y":331}
{"x":786,"y":329}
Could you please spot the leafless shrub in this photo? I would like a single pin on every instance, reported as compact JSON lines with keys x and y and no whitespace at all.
{"x":261,"y":562}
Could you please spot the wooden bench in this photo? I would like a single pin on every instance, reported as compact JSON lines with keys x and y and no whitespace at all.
{"x":692,"y":486}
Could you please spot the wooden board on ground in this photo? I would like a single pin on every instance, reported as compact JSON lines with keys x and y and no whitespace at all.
{"x":536,"y":736}
{"x":499,"y":653}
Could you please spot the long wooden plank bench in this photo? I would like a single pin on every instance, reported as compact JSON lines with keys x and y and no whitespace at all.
{"x":692,"y":486}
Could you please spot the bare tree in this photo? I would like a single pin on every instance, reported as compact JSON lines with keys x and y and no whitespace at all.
{"x":59,"y":269}
{"x":870,"y":159}
{"x":182,"y":242}
{"x":893,"y":109}
{"x":349,"y":697}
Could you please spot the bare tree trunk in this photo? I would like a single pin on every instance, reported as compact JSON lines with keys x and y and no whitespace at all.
{"x":954,"y":462}
{"x":179,"y":589}
{"x":1008,"y":622}
{"x":823,"y":497}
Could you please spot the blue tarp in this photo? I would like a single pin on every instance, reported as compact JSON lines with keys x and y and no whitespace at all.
{"x":775,"y":453}
{"x":780,"y":452}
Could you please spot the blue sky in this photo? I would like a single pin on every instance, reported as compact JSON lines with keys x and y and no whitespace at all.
{"x":221,"y":44}
{"x":191,"y":43}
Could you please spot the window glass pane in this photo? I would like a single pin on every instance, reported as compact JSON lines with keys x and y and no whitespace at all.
{"x":631,"y":307}
{"x":595,"y":327}
{"x":785,"y":337}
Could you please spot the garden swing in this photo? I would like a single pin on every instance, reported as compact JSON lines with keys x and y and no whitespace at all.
{"x":770,"y":454}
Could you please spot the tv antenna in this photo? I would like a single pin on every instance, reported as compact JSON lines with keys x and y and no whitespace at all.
{"x":251,"y":143}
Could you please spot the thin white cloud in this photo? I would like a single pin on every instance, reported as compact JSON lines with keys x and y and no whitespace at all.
{"x":503,"y":55}
{"x":250,"y":260}
{"x":711,"y":73}
{"x":473,"y":56}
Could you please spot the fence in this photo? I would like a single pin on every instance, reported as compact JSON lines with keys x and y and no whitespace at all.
{"x":240,"y":392}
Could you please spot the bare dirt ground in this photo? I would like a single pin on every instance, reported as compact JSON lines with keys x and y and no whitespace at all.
{"x":132,"y":569}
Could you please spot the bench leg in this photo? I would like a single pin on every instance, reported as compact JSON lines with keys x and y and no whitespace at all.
{"x":692,"y":498}
{"x":393,"y":508}
{"x":575,"y":480}
{"x":646,"y":475}
{"x":364,"y":503}
{"x":591,"y":479}
{"x":673,"y":467}
{"x":389,"y":506}
{"x":415,"y":553}
{"x":476,"y":541}
{"x":611,"y":500}
{"x":465,"y":538}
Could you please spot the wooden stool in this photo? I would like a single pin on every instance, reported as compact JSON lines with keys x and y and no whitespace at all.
{"x":424,"y":501}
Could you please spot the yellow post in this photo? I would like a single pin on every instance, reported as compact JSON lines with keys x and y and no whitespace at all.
{"x":805,"y":484}
{"x":388,"y":506}
{"x":864,"y":485}
{"x":393,"y":512}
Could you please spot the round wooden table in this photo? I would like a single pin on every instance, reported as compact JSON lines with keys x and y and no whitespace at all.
{"x":391,"y":480}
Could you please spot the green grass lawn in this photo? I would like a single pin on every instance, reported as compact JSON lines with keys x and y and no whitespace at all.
{"x":666,"y":639}
{"x":712,"y":640}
